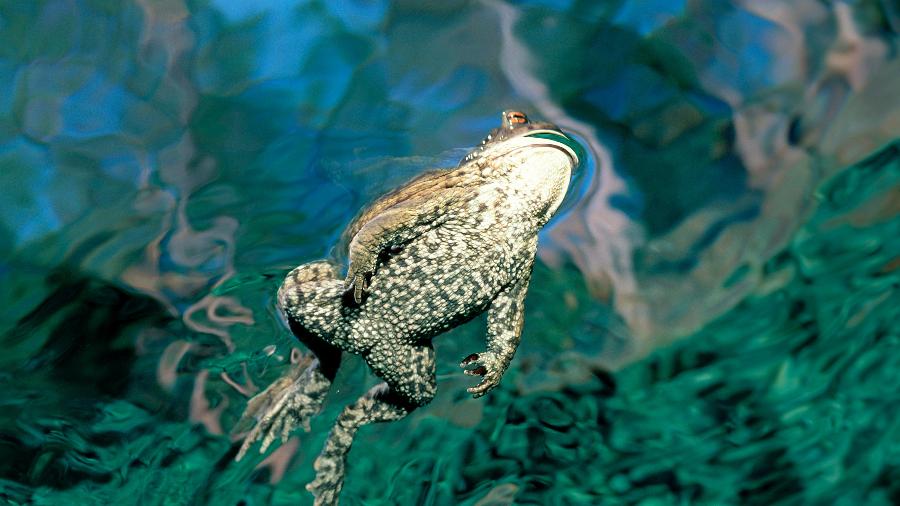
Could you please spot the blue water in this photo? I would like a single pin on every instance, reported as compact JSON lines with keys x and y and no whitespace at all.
{"x":712,"y":318}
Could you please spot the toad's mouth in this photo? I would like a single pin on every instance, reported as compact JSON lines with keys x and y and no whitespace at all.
{"x":556,"y":139}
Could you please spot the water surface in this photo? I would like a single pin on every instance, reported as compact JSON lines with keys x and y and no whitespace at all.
{"x":712,"y":320}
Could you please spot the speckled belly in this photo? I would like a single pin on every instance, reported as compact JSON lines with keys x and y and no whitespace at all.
{"x":439,"y":280}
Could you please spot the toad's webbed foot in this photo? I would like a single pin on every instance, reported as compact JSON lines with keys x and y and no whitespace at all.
{"x":288,"y":403}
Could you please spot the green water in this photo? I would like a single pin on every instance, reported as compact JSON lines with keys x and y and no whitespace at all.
{"x":789,"y":398}
{"x":712,"y":318}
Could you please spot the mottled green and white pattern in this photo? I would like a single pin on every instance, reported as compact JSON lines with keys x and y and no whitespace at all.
{"x":425,"y":258}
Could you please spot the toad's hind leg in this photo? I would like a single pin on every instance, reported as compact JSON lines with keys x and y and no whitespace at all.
{"x":308,"y":300}
{"x":409,"y":374}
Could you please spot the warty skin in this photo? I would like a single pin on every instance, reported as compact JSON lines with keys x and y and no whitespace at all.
{"x":424,"y":258}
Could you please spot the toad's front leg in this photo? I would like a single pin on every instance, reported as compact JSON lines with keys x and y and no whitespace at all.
{"x":506,"y":317}
{"x":393,"y":226}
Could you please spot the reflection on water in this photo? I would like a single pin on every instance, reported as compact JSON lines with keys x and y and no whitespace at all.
{"x":163,"y":164}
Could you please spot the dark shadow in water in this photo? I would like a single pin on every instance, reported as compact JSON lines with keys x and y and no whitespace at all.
{"x":86,"y":359}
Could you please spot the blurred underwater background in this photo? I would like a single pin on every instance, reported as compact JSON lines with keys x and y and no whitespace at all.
{"x":712,"y":320}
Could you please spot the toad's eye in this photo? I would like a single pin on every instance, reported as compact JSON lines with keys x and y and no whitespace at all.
{"x":516,"y":118}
